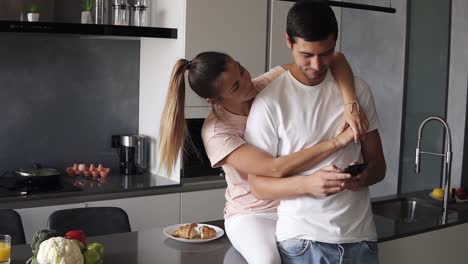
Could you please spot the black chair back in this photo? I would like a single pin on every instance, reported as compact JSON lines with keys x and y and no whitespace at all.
{"x":11,"y":224}
{"x":94,"y":221}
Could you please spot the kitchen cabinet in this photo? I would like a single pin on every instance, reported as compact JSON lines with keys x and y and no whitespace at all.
{"x":147,"y":212}
{"x":446,"y":245}
{"x":35,"y":219}
{"x":202,"y":206}
{"x":238,"y":28}
{"x":144,"y":212}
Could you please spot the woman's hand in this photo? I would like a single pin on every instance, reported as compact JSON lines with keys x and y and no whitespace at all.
{"x":326,"y":181}
{"x":356,"y":119}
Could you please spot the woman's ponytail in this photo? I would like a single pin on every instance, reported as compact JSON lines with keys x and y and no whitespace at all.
{"x":204,"y":70}
{"x":173,"y":129}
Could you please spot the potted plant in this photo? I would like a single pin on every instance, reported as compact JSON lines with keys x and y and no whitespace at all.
{"x":33,"y":15}
{"x":86,"y":15}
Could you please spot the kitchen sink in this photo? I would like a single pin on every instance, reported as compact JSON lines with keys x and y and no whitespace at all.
{"x":410,"y":210}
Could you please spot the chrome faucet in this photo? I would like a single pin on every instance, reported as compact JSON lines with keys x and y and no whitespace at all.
{"x":448,"y":160}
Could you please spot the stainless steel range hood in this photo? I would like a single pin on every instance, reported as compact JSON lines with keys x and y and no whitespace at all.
{"x":355,"y":6}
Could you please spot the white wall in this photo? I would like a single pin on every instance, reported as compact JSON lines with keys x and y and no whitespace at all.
{"x":157,"y":56}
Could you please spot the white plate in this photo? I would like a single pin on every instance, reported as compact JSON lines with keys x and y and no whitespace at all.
{"x":170,"y":229}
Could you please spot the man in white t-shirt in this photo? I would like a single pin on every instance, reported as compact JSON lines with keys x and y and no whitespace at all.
{"x":301,"y":108}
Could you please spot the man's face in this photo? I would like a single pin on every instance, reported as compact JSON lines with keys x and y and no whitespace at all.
{"x":312,"y":58}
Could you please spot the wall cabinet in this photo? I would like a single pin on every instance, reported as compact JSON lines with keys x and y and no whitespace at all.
{"x":147,"y":211}
{"x":202,"y":206}
{"x":35,"y":219}
{"x":238,"y":28}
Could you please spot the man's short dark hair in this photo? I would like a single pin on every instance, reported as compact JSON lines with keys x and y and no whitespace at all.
{"x":311,"y":21}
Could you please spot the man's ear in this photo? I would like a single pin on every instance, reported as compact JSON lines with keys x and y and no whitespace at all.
{"x":288,"y":40}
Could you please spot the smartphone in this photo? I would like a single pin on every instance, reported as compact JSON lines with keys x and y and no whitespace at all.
{"x":355,"y":169}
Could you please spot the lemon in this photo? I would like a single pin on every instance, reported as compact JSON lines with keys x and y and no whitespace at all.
{"x":438,"y":193}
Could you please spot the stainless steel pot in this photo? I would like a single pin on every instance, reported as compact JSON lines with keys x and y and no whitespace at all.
{"x":38,"y":172}
{"x":38,"y":178}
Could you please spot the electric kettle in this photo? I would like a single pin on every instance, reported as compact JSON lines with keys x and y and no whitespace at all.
{"x":133,"y":151}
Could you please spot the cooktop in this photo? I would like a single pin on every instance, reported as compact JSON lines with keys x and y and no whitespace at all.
{"x":11,"y":185}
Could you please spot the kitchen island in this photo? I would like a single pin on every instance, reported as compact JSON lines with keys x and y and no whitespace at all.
{"x":153,"y":247}
{"x":392,"y":232}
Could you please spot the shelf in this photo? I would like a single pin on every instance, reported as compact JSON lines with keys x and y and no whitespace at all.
{"x":87,"y":29}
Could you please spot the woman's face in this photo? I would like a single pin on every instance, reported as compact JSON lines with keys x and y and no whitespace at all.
{"x":235,"y":85}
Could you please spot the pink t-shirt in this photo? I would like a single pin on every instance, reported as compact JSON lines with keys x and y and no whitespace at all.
{"x":222,"y":134}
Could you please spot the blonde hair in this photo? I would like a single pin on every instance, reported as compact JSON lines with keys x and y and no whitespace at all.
{"x":203,"y":71}
{"x":173,"y":129}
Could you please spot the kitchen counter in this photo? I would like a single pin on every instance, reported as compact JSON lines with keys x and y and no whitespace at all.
{"x":388,"y":229}
{"x":118,"y":187}
{"x":78,"y":189}
{"x":152,"y":246}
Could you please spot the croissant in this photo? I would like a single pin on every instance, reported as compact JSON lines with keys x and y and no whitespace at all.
{"x":207,"y":232}
{"x":187,"y":231}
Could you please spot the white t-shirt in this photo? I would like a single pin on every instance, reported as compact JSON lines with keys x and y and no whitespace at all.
{"x":288,"y":116}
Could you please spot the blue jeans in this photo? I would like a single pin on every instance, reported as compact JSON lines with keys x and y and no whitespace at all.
{"x":300,"y":251}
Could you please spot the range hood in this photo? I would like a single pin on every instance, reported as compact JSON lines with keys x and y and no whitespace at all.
{"x":355,"y":6}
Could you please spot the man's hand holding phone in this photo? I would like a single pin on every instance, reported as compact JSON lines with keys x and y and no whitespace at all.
{"x":326,"y":181}
{"x":358,"y":174}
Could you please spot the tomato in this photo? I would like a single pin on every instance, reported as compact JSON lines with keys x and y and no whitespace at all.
{"x":76,"y":234}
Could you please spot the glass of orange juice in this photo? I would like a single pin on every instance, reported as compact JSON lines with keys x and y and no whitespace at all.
{"x":5,"y":249}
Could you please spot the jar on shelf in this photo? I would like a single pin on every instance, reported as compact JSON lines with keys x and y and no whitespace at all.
{"x":100,"y":12}
{"x":140,"y":12}
{"x":120,"y":13}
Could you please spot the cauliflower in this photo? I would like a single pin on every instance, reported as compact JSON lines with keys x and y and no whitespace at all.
{"x":59,"y":250}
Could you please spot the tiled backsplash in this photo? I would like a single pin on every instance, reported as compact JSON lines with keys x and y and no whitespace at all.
{"x":62,"y":97}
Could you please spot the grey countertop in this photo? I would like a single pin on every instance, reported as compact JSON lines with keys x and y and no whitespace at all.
{"x":118,"y":187}
{"x":81,"y":189}
{"x":152,"y":246}
{"x":390,"y":229}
